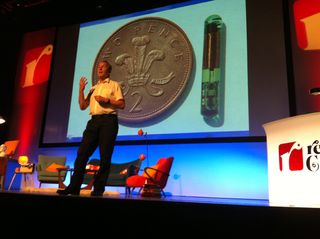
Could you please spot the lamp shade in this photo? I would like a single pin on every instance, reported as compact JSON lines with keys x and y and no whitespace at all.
{"x":140,"y":132}
{"x":142,"y":157}
{"x":23,"y":160}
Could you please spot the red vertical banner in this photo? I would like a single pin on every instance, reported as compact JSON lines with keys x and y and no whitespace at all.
{"x":305,"y":25}
{"x":31,"y":88}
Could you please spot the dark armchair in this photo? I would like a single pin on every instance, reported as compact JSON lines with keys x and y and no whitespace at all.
{"x":47,"y":169}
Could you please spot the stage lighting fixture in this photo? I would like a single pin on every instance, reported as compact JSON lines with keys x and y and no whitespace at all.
{"x":314,"y":91}
{"x":2,"y":120}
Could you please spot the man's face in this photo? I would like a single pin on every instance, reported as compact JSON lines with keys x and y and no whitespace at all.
{"x":103,"y":70}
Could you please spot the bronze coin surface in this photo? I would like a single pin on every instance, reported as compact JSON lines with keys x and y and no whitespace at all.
{"x":152,"y":60}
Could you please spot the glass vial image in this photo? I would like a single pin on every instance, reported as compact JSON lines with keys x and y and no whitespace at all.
{"x":212,"y":89}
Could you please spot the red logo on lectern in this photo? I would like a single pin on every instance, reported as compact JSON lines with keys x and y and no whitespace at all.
{"x":291,"y":154}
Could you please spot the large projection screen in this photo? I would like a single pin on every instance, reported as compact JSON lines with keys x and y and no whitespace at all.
{"x":185,"y":117}
{"x":189,"y":77}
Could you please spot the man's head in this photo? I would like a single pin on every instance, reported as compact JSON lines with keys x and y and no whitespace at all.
{"x":104,"y":69}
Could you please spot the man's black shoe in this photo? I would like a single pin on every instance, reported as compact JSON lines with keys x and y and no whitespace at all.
{"x":67,"y":192}
{"x":96,"y":193}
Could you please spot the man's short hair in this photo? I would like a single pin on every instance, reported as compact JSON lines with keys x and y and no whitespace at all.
{"x":110,"y":66}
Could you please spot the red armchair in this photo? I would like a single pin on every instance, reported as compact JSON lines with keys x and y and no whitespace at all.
{"x":153,"y":180}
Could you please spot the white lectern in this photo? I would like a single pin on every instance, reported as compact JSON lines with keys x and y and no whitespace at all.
{"x":293,"y":146}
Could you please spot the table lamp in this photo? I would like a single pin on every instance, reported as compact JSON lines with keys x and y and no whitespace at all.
{"x":142,"y":133}
{"x":25,"y":166}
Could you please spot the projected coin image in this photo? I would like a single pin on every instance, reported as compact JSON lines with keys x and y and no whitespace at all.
{"x":152,"y":59}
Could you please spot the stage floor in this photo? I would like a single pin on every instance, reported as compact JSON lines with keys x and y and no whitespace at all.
{"x":184,"y":215}
{"x":117,"y":195}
